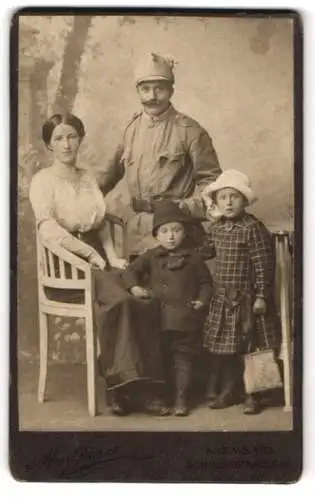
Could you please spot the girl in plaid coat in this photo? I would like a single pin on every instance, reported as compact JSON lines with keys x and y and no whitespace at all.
{"x":242,"y":313}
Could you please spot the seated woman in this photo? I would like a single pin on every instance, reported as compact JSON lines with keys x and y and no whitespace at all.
{"x":70,"y":211}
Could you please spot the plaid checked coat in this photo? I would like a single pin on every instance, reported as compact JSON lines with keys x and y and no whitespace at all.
{"x":243,"y":270}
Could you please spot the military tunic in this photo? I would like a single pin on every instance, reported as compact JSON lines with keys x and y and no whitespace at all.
{"x":169,"y":156}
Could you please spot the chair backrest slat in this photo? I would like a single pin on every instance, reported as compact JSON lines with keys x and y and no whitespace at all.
{"x":52,"y":272}
{"x":44,"y":262}
{"x":62,"y":269}
{"x":72,"y":272}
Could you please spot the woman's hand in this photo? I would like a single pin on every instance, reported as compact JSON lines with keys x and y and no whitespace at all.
{"x":119,"y":263}
{"x":140,"y":292}
{"x":97,"y":261}
{"x":259,"y":306}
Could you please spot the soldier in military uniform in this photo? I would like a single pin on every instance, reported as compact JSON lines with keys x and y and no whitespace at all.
{"x":163,"y":154}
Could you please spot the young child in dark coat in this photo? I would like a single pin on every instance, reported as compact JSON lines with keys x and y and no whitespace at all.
{"x":179,"y":278}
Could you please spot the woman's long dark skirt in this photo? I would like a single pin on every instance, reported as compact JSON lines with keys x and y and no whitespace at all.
{"x":128,"y":333}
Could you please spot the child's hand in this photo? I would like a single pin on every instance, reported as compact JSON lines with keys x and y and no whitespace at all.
{"x":259,"y":306}
{"x":140,"y":292}
{"x":96,"y":261}
{"x":197,"y":304}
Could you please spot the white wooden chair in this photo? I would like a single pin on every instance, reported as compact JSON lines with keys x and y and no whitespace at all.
{"x":58,"y":268}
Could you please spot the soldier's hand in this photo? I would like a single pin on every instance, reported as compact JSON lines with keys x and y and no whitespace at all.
{"x":183,"y":206}
{"x":212,"y":210}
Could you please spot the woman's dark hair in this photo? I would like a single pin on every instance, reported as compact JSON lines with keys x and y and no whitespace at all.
{"x":67,"y":119}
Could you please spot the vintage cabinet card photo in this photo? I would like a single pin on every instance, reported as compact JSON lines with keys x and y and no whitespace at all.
{"x":156,"y":251}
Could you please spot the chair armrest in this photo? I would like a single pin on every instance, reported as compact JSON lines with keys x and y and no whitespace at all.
{"x":65,"y":255}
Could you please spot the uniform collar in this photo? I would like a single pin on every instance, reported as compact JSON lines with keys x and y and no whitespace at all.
{"x":159,"y":118}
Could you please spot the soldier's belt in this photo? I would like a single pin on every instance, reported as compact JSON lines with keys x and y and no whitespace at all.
{"x":144,"y":205}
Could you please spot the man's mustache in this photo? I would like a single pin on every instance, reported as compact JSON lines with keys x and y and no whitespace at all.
{"x":151,"y":103}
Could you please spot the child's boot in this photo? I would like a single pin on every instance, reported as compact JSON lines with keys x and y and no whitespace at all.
{"x":157,"y":405}
{"x":214,"y":378}
{"x":183,"y":366}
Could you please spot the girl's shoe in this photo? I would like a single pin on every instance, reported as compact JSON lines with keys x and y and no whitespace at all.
{"x":222,"y":402}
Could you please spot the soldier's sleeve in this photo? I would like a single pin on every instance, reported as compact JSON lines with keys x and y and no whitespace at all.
{"x":113,"y":172}
{"x":205,"y":166}
{"x":204,"y":158}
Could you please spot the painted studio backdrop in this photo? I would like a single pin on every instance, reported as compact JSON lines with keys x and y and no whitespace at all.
{"x":234,"y":76}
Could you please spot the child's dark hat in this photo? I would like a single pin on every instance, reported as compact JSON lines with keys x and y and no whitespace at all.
{"x":166,"y":211}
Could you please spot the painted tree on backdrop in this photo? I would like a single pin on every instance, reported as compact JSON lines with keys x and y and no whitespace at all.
{"x":68,"y":84}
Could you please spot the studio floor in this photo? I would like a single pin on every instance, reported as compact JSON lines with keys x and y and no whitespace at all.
{"x":66,"y":409}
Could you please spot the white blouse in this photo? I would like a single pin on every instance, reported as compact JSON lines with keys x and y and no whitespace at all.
{"x":66,"y":202}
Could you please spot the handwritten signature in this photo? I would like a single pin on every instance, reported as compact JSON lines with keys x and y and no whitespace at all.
{"x":81,"y":461}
